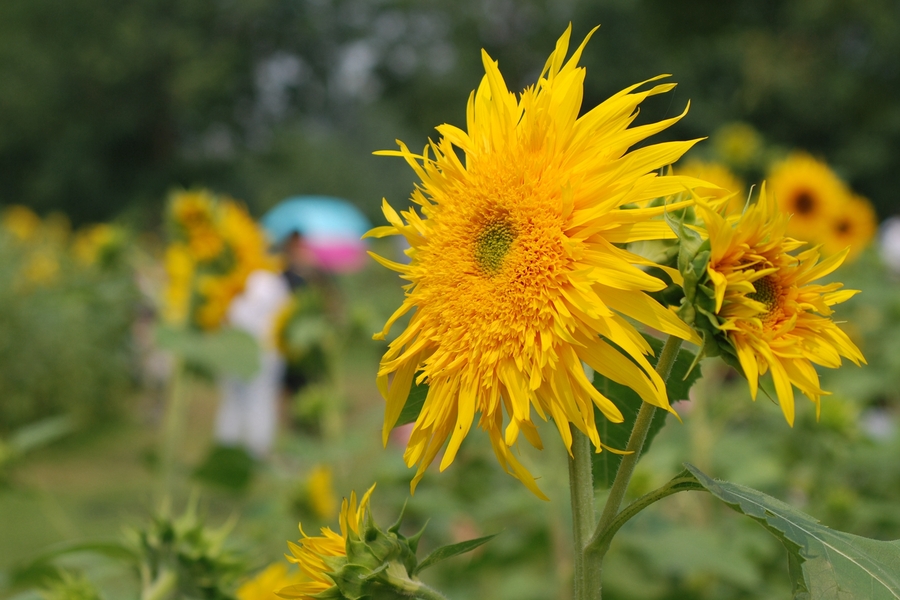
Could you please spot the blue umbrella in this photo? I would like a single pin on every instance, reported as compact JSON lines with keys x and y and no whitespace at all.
{"x":330,"y":226}
{"x":315,"y":218}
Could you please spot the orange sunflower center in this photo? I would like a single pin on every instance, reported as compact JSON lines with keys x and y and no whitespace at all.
{"x":804,"y":202}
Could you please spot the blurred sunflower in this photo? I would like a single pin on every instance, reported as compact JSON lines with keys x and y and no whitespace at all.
{"x":216,"y":246}
{"x":21,"y":222}
{"x":771,"y":314}
{"x":193,"y":213}
{"x":516,"y":267}
{"x":808,"y":190}
{"x":854,"y":226}
{"x":245,"y":238}
{"x":719,"y":175}
{"x":98,"y":243}
{"x":179,"y":265}
{"x":319,"y":487}
{"x":271,"y":579}
{"x":313,"y":553}
{"x":739,"y":144}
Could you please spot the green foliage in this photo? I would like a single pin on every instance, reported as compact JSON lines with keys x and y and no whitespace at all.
{"x":824,"y":564}
{"x":227,"y":467}
{"x":225,"y":351}
{"x":31,"y":437}
{"x":683,"y":376}
{"x":71,"y":587}
{"x":108,"y":106}
{"x":182,"y":558}
{"x":65,"y":333}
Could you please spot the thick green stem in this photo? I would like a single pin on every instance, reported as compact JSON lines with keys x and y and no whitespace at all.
{"x":426,"y":593}
{"x":581,"y":488}
{"x":592,"y":552}
{"x":398,"y":580}
{"x":636,"y":441}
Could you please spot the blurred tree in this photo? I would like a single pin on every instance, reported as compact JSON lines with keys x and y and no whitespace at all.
{"x":107,"y":105}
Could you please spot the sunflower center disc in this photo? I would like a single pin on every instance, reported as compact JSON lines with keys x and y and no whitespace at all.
{"x":767,"y":292}
{"x":804,"y":203}
{"x":492,"y":245}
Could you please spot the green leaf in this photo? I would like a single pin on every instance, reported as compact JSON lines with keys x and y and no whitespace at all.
{"x":445,"y":552}
{"x":40,"y":433}
{"x":824,"y":564}
{"x":225,"y":351}
{"x":413,"y":406}
{"x":42,"y":567}
{"x":605,"y":464}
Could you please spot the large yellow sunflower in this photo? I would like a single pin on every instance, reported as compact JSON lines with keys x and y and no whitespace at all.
{"x":808,"y":190}
{"x":770,"y":310}
{"x":517,"y":271}
{"x":312,"y":552}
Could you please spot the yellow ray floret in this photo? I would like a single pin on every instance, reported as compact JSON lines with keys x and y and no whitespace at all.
{"x":771,"y":310}
{"x":311,"y":553}
{"x":271,"y":579}
{"x":517,"y":277}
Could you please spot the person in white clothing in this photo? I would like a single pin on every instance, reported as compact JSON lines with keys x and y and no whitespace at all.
{"x":248,"y":409}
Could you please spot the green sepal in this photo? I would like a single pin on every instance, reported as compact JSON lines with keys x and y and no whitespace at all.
{"x":332,"y":593}
{"x":382,"y":565}
{"x":445,"y":552}
{"x":414,"y":403}
{"x":413,"y":540}
{"x":395,"y":528}
{"x":698,"y":309}
{"x":351,"y":581}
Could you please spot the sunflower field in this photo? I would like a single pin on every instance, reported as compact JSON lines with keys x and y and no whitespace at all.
{"x":358,"y":299}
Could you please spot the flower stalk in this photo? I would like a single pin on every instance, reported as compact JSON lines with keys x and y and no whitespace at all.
{"x":589,"y":551}
{"x":581,"y":488}
{"x":173,"y":425}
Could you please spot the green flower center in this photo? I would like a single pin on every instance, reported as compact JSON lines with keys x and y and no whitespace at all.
{"x":768,"y":292}
{"x":493,"y":244}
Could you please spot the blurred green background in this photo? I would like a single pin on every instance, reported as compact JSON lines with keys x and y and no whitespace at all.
{"x":107,"y":106}
{"x":104,"y":106}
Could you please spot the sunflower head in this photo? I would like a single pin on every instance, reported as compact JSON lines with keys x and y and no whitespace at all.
{"x":753,"y":293}
{"x":215,"y":246}
{"x":739,"y":144}
{"x":363,"y":561}
{"x":809,"y":191}
{"x":518,"y":273}
{"x":20,"y":221}
{"x":852,"y":227}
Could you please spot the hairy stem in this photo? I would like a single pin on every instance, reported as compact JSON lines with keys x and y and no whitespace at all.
{"x":581,"y":488}
{"x":594,"y":550}
{"x":637,"y":439}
